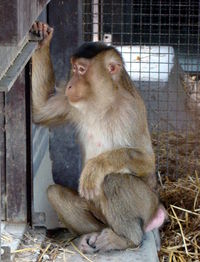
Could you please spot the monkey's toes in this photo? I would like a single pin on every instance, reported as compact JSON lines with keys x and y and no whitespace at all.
{"x":87,"y":243}
{"x":104,"y":241}
{"x":86,"y":249}
{"x":92,"y":240}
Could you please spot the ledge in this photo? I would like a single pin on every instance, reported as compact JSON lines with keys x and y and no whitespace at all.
{"x":17,"y":66}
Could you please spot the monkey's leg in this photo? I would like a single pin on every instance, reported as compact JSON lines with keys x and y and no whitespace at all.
{"x":73,"y":211}
{"x":128,"y":206}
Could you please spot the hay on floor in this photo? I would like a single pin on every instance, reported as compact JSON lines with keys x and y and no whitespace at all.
{"x":180,"y":193}
{"x":180,"y":236}
{"x":178,"y":154}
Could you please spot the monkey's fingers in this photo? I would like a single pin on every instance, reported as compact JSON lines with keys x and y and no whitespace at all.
{"x":40,"y":27}
{"x":94,"y":193}
{"x":83,"y":192}
{"x":34,"y":28}
{"x":89,"y":194}
{"x":43,"y":31}
{"x":90,"y":185}
{"x":84,"y":186}
{"x":96,"y":190}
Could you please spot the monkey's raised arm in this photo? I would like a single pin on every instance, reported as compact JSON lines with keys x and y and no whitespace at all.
{"x":48,"y":109}
{"x":126,"y":160}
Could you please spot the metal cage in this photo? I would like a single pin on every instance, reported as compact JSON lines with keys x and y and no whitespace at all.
{"x":159,"y":41}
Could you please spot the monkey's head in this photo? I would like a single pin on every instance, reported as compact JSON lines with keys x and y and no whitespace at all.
{"x":95,"y":73}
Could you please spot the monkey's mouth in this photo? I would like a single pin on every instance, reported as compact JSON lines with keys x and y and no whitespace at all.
{"x":74,"y":99}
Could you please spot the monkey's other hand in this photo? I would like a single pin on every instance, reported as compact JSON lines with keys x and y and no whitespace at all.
{"x":44,"y":31}
{"x":92,"y":176}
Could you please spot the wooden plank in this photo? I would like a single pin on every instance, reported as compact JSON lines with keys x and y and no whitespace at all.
{"x":16,"y":164}
{"x":2,"y":156}
{"x":10,"y":20}
{"x":16,"y":68}
{"x":8,"y":55}
{"x":16,"y":18}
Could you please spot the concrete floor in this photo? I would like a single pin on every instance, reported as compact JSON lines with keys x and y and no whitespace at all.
{"x":35,"y":246}
{"x":146,"y":253}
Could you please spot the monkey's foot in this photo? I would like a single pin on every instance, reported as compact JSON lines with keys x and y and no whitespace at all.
{"x":105,"y":241}
{"x":87,"y":243}
{"x":109,"y":240}
{"x":44,"y":31}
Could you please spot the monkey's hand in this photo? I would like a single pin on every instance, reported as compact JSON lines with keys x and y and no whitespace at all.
{"x":92,"y":177}
{"x":44,"y":31}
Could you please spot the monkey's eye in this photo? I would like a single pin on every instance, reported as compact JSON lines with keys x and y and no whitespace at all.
{"x":81,"y":70}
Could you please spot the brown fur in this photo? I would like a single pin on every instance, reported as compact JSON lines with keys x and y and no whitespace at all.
{"x":118,"y":159}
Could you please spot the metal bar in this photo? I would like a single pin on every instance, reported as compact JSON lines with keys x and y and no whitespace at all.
{"x":95,"y":11}
{"x":16,"y":68}
{"x":2,"y":157}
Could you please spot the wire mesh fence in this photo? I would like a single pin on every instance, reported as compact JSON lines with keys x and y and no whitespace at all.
{"x":159,"y":42}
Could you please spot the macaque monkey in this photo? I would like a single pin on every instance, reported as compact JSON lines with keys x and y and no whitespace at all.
{"x":117,"y":201}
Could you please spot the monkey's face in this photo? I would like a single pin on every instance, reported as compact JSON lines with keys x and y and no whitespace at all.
{"x":93,"y":80}
{"x":78,"y":87}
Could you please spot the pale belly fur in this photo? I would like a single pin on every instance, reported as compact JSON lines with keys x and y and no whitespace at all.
{"x":97,"y":140}
{"x":96,"y":144}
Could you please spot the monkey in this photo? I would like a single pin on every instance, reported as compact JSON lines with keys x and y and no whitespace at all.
{"x":116,"y":202}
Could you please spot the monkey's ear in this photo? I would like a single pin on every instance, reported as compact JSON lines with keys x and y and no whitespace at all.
{"x":113,"y":63}
{"x":114,"y":68}
{"x":72,"y":60}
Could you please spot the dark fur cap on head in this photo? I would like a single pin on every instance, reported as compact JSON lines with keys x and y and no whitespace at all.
{"x":91,"y":49}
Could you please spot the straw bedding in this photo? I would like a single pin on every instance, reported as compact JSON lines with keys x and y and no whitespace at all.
{"x":180,"y":193}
